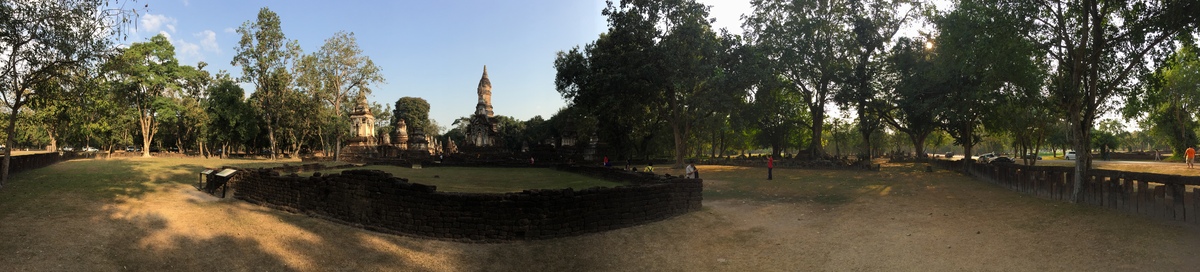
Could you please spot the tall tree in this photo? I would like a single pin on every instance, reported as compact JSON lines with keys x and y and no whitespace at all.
{"x":693,"y":55}
{"x":265,"y":53}
{"x":913,"y":96}
{"x":1167,"y":97}
{"x":1096,"y":47}
{"x":414,"y":111}
{"x":340,"y":71}
{"x":232,"y":122}
{"x":146,"y":70}
{"x":43,"y":39}
{"x":873,"y":24}
{"x":193,"y":86}
{"x":612,"y":79}
{"x":810,"y":42}
{"x":665,"y":59}
{"x":982,"y":60}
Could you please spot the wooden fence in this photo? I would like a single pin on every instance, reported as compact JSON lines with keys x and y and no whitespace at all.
{"x":1170,"y":197}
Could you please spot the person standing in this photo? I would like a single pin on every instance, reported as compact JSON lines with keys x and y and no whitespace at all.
{"x":770,"y":166}
{"x":690,"y":171}
{"x":1191,"y":156}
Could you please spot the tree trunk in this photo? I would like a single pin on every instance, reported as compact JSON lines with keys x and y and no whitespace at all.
{"x":818,"y":125}
{"x":337,"y":147}
{"x":918,"y":143}
{"x":713,"y":152}
{"x":1083,"y":154}
{"x":271,"y":137}
{"x":324,"y":144}
{"x":147,"y":125}
{"x":8,"y":142}
{"x":968,"y":146}
{"x":53,"y":141}
{"x":722,"y":143}
{"x":680,"y":147}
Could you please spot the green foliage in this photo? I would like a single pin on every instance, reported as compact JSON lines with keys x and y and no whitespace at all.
{"x":810,"y":42}
{"x":1170,"y":98}
{"x":914,"y":98}
{"x":983,"y":61}
{"x":666,"y":62}
{"x":415,"y":113}
{"x":265,"y":53}
{"x":233,"y":121}
{"x":145,"y":72}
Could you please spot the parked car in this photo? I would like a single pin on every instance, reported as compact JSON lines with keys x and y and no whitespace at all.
{"x":68,"y":149}
{"x":89,"y":149}
{"x":985,"y":158}
{"x":949,"y":154}
{"x":1033,"y":156}
{"x":1070,"y":155}
{"x":1001,"y":160}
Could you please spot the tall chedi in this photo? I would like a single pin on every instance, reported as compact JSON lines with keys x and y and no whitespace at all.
{"x":485,"y":95}
{"x":482,"y":132}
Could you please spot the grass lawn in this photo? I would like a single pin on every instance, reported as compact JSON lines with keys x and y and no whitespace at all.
{"x":493,"y":180}
{"x":98,"y":179}
{"x":142,"y":215}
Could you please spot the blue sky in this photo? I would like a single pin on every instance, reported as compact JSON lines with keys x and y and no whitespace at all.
{"x":435,"y":50}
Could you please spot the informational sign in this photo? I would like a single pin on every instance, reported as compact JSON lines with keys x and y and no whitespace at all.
{"x":207,"y":171}
{"x":226,"y":173}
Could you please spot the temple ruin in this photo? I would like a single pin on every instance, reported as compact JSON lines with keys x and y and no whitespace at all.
{"x":483,"y":130}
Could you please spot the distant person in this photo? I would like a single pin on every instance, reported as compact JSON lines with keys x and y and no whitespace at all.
{"x":1191,"y":156}
{"x":606,"y":164}
{"x":650,"y":167}
{"x":690,"y":171}
{"x":770,"y":166}
{"x":530,"y":160}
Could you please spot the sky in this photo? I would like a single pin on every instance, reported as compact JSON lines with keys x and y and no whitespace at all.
{"x":434,"y":50}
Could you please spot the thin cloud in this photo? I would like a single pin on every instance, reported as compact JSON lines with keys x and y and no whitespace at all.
{"x":156,"y":22}
{"x":188,"y":52}
{"x":208,"y":41}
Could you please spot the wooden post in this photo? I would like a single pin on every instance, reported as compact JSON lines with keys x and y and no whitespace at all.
{"x":1196,"y":204}
{"x":1143,"y":197}
{"x":1177,"y":202}
{"x":1160,"y":209}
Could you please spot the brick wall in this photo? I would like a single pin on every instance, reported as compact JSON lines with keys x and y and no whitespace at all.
{"x":377,"y":201}
{"x":35,"y":161}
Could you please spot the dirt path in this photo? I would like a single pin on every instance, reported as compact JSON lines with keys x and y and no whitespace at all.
{"x":940,"y":222}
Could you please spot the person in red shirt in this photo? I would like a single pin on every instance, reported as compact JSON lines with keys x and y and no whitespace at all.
{"x":770,"y":166}
{"x":1191,"y":156}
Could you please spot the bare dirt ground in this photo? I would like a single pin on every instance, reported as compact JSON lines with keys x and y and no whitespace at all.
{"x":899,"y":219}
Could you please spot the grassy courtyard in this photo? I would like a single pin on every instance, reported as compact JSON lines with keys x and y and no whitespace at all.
{"x":143,"y":215}
{"x":493,"y":180}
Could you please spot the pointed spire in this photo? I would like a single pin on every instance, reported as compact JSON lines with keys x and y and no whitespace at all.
{"x":485,"y":85}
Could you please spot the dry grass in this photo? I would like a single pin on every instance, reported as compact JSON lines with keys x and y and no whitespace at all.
{"x":142,"y":215}
{"x":493,"y":180}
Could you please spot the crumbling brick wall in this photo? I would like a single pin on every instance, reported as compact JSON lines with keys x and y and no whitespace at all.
{"x":375,"y":200}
